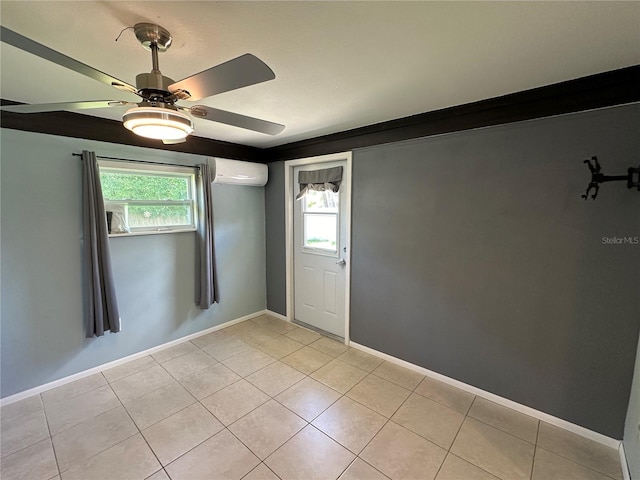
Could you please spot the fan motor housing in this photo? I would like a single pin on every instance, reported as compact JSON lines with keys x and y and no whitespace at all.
{"x":153,"y":81}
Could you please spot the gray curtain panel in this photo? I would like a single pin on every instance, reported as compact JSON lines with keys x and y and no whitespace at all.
{"x":207,"y":285}
{"x":319,"y":180}
{"x":101,"y":303}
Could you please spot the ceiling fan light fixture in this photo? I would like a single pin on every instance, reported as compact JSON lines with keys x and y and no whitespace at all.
{"x":158,"y":123}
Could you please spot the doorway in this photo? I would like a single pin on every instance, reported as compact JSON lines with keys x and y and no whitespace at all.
{"x":318,"y":243}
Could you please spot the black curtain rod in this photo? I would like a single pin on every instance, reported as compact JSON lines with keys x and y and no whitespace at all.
{"x":139,"y":161}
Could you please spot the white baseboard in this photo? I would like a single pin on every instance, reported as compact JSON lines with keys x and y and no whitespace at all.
{"x":277,"y":315}
{"x":85,"y":373}
{"x":545,"y":417}
{"x":626,"y":474}
{"x":558,"y":422}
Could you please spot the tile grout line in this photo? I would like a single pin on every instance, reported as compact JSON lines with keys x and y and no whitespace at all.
{"x":535,"y":445}
{"x":89,"y":418}
{"x":198,"y":401}
{"x":254,"y":468}
{"x":144,"y":438}
{"x":173,"y":380}
{"x":267,"y":466}
{"x":359,"y":403}
{"x":60,"y":471}
{"x":470,"y":463}
{"x":78,"y":394}
{"x":249,"y":412}
{"x":192,"y":448}
{"x":274,"y":396}
{"x":376,"y":469}
{"x":466,"y":415}
{"x":444,"y":404}
{"x":32,"y":444}
{"x":195,"y":446}
{"x":121,"y":404}
{"x":388,"y":419}
{"x":224,"y":427}
{"x":109,"y":382}
{"x":449,"y":452}
{"x":53,"y":448}
{"x":535,"y":450}
{"x":577,"y":463}
{"x":307,"y":423}
{"x":442,"y":464}
{"x":535,"y":442}
{"x":316,"y":417}
{"x":499,"y":429}
{"x":279,"y":447}
{"x":355,"y":457}
{"x":270,"y":398}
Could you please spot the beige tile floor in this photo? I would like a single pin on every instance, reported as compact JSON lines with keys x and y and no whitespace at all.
{"x":265,"y":399}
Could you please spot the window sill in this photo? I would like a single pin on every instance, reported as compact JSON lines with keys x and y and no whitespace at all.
{"x":151,"y":232}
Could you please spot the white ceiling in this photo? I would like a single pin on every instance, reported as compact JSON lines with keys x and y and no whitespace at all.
{"x":338,"y":65}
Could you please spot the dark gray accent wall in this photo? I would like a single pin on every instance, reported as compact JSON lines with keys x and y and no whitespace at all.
{"x":474,"y":256}
{"x":275,"y":238}
{"x":42,"y":323}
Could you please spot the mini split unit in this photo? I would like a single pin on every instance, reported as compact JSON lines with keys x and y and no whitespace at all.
{"x":235,"y":172}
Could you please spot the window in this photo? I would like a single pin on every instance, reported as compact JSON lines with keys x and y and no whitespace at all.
{"x":142,"y":198}
{"x":320,"y":220}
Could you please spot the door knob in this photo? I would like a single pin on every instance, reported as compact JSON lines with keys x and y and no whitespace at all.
{"x":342,"y":262}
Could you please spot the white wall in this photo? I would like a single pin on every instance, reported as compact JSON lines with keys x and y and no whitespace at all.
{"x":632,"y":425}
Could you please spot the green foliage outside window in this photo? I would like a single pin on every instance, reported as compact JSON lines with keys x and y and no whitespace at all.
{"x":125,"y":186}
{"x":117,"y":186}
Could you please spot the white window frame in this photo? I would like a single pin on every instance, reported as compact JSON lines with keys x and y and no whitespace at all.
{"x":319,"y":250}
{"x":161,"y":170}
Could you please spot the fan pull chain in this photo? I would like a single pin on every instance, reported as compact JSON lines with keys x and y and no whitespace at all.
{"x":120,"y":34}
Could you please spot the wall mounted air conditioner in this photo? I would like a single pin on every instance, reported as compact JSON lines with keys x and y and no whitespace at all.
{"x":235,"y":172}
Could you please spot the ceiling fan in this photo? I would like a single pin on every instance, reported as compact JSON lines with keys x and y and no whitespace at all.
{"x":158,"y":115}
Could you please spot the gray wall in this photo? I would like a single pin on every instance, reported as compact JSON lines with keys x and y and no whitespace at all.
{"x":275,"y":238}
{"x":474,"y":256}
{"x":42,"y":324}
{"x":632,"y":425}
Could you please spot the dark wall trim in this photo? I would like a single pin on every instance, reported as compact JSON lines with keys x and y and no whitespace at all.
{"x":68,"y":124}
{"x":616,"y":87}
{"x":607,"y":89}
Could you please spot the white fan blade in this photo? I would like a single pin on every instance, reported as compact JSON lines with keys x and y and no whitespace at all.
{"x":237,"y":73}
{"x":26,"y":44}
{"x":235,"y":119}
{"x":55,"y":107}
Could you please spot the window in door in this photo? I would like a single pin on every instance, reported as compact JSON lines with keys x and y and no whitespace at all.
{"x":320,"y":221}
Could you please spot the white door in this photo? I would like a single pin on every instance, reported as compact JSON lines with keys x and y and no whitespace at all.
{"x":320,"y":254}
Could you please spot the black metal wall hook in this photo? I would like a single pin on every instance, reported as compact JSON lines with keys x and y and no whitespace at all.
{"x":597,"y":178}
